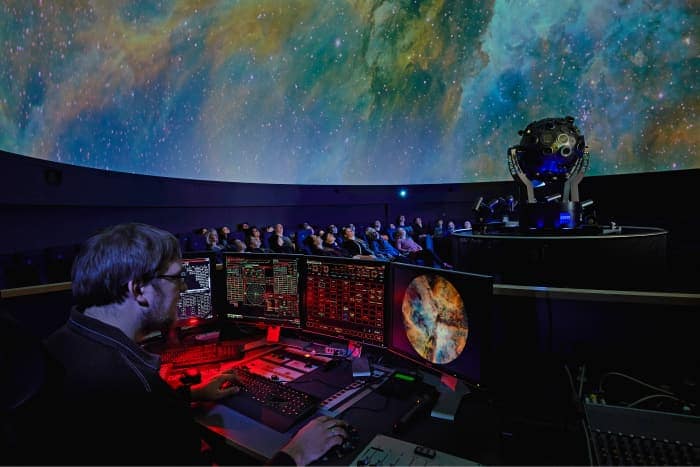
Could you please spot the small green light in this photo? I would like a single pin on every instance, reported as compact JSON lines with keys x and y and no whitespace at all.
{"x":404,"y":377}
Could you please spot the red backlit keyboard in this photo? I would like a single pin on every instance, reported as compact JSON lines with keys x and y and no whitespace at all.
{"x":201,"y":354}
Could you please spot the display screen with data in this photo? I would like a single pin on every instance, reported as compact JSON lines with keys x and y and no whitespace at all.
{"x":345,"y":298}
{"x":263,"y":288}
{"x":196,"y":304}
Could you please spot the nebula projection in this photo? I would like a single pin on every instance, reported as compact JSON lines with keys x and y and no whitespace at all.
{"x":351,"y":92}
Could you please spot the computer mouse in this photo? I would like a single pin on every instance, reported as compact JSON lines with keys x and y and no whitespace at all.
{"x":191,"y":376}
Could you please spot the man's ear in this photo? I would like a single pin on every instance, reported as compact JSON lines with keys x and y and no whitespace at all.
{"x":135,"y":288}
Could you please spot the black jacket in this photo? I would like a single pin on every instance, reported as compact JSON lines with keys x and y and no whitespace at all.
{"x":116,"y":409}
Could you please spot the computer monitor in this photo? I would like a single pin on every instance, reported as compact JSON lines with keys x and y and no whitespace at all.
{"x":196,"y":305}
{"x":441,"y":319}
{"x":263,"y":288}
{"x":345,"y":298}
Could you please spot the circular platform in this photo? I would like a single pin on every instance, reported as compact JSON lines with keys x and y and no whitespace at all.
{"x":630,"y":258}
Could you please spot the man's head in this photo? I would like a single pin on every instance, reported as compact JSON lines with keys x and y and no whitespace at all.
{"x":126,"y":258}
{"x":377,"y":225}
{"x":279,"y":229}
{"x":348,"y":233}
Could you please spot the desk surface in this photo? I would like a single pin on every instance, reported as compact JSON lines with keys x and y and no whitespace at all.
{"x":482,"y":431}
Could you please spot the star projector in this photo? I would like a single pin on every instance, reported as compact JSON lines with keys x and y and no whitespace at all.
{"x":547,"y":166}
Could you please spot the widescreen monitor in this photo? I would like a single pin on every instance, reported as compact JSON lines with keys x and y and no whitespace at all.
{"x":196,"y":306}
{"x":263,"y":288}
{"x":441,"y":319}
{"x":345,"y":298}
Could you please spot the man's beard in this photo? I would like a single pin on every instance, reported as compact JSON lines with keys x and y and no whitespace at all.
{"x":159,"y":317}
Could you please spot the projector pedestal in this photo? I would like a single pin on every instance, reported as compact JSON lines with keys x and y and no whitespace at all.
{"x":549,"y":216}
{"x":629,"y":258}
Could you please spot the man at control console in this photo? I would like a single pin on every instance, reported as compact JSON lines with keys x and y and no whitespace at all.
{"x":126,"y":284}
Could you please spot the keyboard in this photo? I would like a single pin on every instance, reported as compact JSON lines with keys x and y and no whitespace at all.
{"x":201,"y":354}
{"x":270,"y":402}
{"x":629,"y":436}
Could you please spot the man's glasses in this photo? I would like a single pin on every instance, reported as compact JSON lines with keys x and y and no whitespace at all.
{"x":181,"y":276}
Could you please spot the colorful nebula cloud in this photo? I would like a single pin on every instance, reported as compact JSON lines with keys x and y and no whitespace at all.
{"x":352,"y":92}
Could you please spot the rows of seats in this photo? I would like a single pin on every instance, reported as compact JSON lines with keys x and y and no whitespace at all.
{"x":45,"y":266}
{"x":52,"y":265}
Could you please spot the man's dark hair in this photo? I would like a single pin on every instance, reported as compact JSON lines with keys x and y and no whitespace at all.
{"x":121,"y":253}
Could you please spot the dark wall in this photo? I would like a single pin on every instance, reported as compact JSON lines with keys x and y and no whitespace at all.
{"x":44,"y":204}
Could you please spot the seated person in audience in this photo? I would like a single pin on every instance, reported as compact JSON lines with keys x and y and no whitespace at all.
{"x":254,"y":246}
{"x":224,"y":239}
{"x":333,"y":229}
{"x":278,"y":242}
{"x":126,"y":284}
{"x":307,"y":226}
{"x":420,"y":232}
{"x":381,"y":248}
{"x":330,"y":242}
{"x":355,"y":247}
{"x":450,"y":228}
{"x":198,"y":241}
{"x":414,"y":251}
{"x":467,"y":225}
{"x":401,"y":223}
{"x":213,"y":241}
{"x":238,"y":246}
{"x":253,"y":231}
{"x":390,"y":231}
{"x":317,"y":248}
{"x":439,"y":229}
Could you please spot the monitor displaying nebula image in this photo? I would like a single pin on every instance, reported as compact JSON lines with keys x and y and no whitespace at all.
{"x":441,"y":319}
{"x":339,"y":92}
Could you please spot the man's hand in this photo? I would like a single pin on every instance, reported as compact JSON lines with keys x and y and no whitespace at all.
{"x":217,"y":388}
{"x":315,"y":438}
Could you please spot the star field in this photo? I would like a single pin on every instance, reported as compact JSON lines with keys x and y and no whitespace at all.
{"x":345,"y":92}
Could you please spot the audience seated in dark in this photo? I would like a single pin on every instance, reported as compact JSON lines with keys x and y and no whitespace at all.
{"x":330,"y":243}
{"x":439,"y":229}
{"x":238,"y":246}
{"x":381,"y":248}
{"x":415,"y":252}
{"x":401,"y":222}
{"x":224,"y":237}
{"x":254,"y":246}
{"x":354,"y":246}
{"x":318,"y":248}
{"x":126,"y":284}
{"x":419,"y":230}
{"x":198,"y":241}
{"x":278,"y":242}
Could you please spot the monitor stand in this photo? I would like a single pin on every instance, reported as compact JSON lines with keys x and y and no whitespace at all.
{"x":451,"y":392}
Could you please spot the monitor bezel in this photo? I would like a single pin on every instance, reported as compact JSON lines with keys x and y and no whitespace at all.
{"x":346,"y":260}
{"x":247,"y":320}
{"x":482,"y":319}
